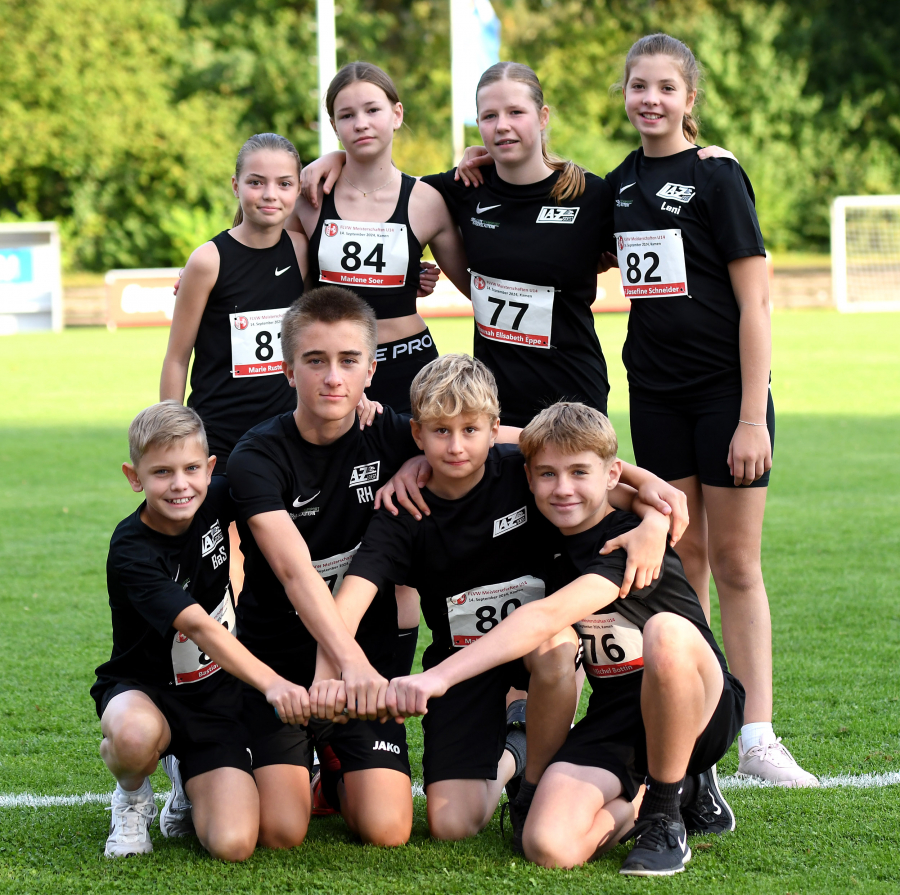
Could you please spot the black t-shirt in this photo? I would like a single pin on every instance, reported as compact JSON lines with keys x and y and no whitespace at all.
{"x":612,"y":638}
{"x":237,"y":380}
{"x":367,"y":257}
{"x":683,"y":326}
{"x":473,"y":560}
{"x":329,"y":492}
{"x":151,"y":578}
{"x":535,"y":330}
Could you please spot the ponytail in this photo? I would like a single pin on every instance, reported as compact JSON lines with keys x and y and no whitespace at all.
{"x":570,"y":183}
{"x":257,"y":142}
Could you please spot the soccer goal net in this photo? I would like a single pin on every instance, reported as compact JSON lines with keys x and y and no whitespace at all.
{"x":865,"y":253}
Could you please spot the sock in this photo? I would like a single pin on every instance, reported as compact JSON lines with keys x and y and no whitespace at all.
{"x":662,"y":798}
{"x":526,"y":795}
{"x":515,"y":745}
{"x":407,"y":639}
{"x":752,"y":734}
{"x":143,"y":792}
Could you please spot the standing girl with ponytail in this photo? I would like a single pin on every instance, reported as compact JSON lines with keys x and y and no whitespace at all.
{"x":698,"y":356}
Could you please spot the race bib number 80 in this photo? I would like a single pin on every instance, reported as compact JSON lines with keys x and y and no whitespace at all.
{"x":613,"y":646}
{"x":511,"y":312}
{"x":475,"y":612}
{"x":651,"y":263}
{"x":360,"y":253}
{"x":256,"y":343}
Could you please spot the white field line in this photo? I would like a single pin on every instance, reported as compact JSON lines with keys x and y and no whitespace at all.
{"x":29,"y":800}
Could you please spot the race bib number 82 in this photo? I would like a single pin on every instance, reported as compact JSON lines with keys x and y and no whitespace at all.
{"x":651,"y":263}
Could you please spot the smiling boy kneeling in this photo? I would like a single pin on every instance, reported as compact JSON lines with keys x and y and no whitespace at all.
{"x":664,"y":708}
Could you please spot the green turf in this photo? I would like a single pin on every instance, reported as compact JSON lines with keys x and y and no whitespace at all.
{"x":831,"y":563}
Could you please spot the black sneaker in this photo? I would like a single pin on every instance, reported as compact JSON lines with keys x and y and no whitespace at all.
{"x":516,"y":746}
{"x":709,"y":812}
{"x":515,"y":715}
{"x":660,"y":847}
{"x":518,"y":809}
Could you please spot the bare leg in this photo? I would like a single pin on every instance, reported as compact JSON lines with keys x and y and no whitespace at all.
{"x":458,"y":809}
{"x":135,"y":734}
{"x":284,"y":805}
{"x":236,"y":567}
{"x":577,"y":814}
{"x":377,"y":806}
{"x":552,"y":700}
{"x":693,"y":548}
{"x":681,"y":688}
{"x":225,"y":812}
{"x":735,"y":532}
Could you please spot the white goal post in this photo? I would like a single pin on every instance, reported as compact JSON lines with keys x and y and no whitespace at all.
{"x":865,"y":253}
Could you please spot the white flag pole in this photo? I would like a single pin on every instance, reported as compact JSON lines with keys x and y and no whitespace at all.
{"x":326,"y":40}
{"x":459,"y":60}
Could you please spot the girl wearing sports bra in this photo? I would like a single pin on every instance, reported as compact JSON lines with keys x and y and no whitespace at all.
{"x":368,"y":234}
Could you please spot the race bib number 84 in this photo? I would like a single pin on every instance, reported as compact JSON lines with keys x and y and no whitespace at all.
{"x":651,"y":263}
{"x":475,"y":612}
{"x":511,"y":312}
{"x":360,"y":253}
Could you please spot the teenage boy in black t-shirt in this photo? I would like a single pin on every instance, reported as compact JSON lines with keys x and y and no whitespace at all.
{"x":663,"y":702}
{"x":477,"y":557}
{"x":167,"y":690}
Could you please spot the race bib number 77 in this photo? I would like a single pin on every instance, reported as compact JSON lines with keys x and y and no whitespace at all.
{"x":511,"y":312}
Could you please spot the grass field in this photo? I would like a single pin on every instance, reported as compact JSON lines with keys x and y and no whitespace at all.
{"x":831,"y":558}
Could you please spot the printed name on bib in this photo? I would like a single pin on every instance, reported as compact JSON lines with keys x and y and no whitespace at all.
{"x":256,"y":343}
{"x":334,"y":568}
{"x":511,"y":312}
{"x":474,"y":612}
{"x":651,"y":263}
{"x":189,"y":663}
{"x":613,"y":646}
{"x":359,"y":253}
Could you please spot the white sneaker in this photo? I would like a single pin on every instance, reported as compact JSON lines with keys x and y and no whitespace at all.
{"x":771,"y":762}
{"x":129,"y":826}
{"x":175,"y":819}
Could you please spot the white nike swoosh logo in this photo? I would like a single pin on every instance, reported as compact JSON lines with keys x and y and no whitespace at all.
{"x":626,"y":187}
{"x":278,"y":272}
{"x":480,"y":210}
{"x":716,"y":808}
{"x":303,"y":503}
{"x":681,"y":842}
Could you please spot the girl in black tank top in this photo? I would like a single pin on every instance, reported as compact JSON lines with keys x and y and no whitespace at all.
{"x":232,"y":296}
{"x":368,"y":233}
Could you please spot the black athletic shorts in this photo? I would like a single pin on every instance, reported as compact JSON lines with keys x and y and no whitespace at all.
{"x":207,"y":732}
{"x":465,"y":729}
{"x":398,"y":363}
{"x":611,"y":735}
{"x":678,"y":437}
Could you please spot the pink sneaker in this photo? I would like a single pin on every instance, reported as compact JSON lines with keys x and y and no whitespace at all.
{"x":771,"y":762}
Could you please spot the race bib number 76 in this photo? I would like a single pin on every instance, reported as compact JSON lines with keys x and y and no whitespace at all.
{"x":613,"y":645}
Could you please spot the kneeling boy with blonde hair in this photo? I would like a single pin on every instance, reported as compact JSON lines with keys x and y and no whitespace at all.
{"x":663,"y":703}
{"x":167,"y":690}
{"x":478,"y":556}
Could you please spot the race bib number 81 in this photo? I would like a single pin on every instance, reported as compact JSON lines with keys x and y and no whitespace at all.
{"x":651,"y":263}
{"x":511,"y":312}
{"x":256,"y":343}
{"x":360,"y":253}
{"x":475,"y":612}
{"x":613,"y":646}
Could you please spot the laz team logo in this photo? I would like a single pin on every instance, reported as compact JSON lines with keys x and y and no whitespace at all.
{"x":677,"y":192}
{"x":241,"y":323}
{"x":331,"y":230}
{"x":212,"y":538}
{"x":551,"y":214}
{"x":510,"y":521}
{"x":365,"y":473}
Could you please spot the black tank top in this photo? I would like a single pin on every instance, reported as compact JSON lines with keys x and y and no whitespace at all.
{"x":379,"y":262}
{"x":236,"y":380}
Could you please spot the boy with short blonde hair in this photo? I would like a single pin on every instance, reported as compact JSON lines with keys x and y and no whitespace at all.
{"x":664,"y":708}
{"x":167,"y":691}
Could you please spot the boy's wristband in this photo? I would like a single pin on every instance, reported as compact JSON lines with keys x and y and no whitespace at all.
{"x":746,"y":423}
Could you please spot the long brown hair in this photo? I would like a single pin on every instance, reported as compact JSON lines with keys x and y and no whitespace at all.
{"x":571,"y":181}
{"x":256,"y":142}
{"x":663,"y":45}
{"x":359,"y":71}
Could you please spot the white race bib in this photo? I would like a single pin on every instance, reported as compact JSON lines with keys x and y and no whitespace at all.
{"x":511,"y":312}
{"x":334,"y":568}
{"x":256,"y":343}
{"x":651,"y":263}
{"x":613,"y":645}
{"x":189,"y":663}
{"x":474,"y":612}
{"x":359,"y":253}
